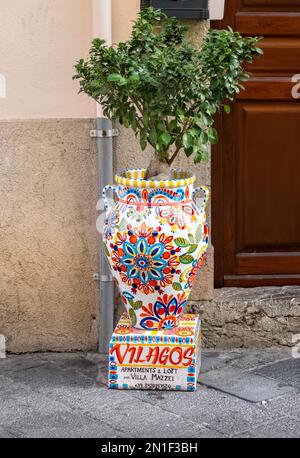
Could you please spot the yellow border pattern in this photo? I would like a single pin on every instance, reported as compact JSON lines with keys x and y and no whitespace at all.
{"x":134,"y":178}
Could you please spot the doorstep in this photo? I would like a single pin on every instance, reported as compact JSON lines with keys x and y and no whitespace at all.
{"x":250,"y":317}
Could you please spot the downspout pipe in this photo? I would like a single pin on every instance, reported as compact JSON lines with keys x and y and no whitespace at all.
{"x":102,"y":27}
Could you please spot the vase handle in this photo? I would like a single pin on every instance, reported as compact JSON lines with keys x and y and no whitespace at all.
{"x":109,"y":187}
{"x":206,"y":195}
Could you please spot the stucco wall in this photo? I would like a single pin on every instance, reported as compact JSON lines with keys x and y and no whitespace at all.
{"x":40,"y":40}
{"x":48,"y":238}
{"x":123,"y":13}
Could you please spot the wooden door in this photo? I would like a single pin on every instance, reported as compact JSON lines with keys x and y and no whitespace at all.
{"x":256,"y":166}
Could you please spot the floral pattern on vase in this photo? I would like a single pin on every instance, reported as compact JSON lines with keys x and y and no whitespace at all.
{"x":155,"y":240}
{"x":144,"y":258}
{"x":164,"y":313}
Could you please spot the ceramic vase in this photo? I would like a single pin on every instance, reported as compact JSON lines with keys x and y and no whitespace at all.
{"x":155,"y":239}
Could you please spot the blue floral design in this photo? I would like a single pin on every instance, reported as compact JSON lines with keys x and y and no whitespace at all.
{"x":111,"y":224}
{"x":144,"y":261}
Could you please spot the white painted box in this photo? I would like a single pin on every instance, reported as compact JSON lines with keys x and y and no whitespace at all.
{"x":168,"y":359}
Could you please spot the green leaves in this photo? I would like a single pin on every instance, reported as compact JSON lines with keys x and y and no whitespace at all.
{"x":198,"y":235}
{"x":203,"y":137}
{"x":164,"y":88}
{"x":116,"y":78}
{"x":182,"y":242}
{"x":123,"y":224}
{"x":212,"y":135}
{"x":153,"y":137}
{"x":177,"y":286}
{"x":143,"y":139}
{"x":136,"y":305}
{"x":166,"y":138}
{"x":191,"y":238}
{"x":192,"y":248}
{"x":143,"y":143}
{"x":186,"y":259}
{"x":259,"y":51}
{"x":132,"y":316}
{"x":189,"y":243}
{"x":187,"y":140}
{"x":134,"y":78}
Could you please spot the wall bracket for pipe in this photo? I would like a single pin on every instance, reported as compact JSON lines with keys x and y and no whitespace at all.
{"x":102,"y":278}
{"x":104,"y":133}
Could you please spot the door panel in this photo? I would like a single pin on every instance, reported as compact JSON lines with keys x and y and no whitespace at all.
{"x":256,"y":166}
{"x":267,"y":173}
{"x":281,"y":56}
{"x":268,"y":24}
{"x":267,"y":88}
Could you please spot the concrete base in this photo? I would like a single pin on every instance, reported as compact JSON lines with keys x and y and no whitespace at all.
{"x":250,"y":317}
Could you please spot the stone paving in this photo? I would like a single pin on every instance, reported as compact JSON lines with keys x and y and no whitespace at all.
{"x":241,"y":393}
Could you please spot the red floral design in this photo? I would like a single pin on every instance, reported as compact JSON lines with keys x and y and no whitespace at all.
{"x":123,"y":329}
{"x":184,"y":331}
{"x":164,"y":313}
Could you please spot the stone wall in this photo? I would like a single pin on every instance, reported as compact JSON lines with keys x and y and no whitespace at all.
{"x":251,"y":317}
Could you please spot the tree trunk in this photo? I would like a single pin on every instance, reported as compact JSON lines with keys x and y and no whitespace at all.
{"x":157,"y":170}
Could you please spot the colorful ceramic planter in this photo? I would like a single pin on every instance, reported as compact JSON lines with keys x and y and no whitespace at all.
{"x":155,"y":239}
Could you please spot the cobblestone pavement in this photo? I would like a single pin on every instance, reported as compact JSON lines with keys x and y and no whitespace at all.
{"x":241,"y":393}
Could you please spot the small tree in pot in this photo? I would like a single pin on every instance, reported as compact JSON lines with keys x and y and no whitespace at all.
{"x":164,"y":88}
{"x":168,"y":92}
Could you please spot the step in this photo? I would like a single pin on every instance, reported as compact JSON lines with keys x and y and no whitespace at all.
{"x":250,"y":317}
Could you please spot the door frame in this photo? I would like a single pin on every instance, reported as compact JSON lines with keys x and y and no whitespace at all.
{"x":217,"y":195}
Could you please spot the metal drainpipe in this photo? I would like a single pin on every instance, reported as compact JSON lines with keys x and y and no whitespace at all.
{"x":102,"y":27}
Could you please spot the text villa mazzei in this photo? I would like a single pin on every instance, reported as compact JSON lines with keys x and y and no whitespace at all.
{"x":162,"y":375}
